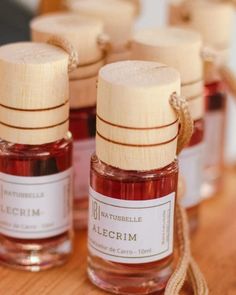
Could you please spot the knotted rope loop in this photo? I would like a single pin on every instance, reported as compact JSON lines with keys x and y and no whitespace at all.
{"x":67,"y":47}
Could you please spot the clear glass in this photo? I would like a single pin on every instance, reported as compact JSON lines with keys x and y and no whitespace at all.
{"x":32,"y":161}
{"x":83,"y":129}
{"x":126,"y":278}
{"x":215,"y":121}
{"x":193,"y":211}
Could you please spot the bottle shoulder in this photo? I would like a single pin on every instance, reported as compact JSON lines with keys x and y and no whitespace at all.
{"x":98,"y":167}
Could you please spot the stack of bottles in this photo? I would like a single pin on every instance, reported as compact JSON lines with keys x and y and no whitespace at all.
{"x":97,"y":147}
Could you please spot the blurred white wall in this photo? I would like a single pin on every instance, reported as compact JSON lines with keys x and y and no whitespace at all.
{"x":154,"y":14}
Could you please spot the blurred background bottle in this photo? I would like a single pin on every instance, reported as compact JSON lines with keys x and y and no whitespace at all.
{"x":216,"y":36}
{"x":181,"y":49}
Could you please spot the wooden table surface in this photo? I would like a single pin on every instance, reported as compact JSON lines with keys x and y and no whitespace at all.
{"x":214,"y":247}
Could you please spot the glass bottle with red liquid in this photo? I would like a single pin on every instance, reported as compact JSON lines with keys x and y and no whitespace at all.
{"x":179,"y":48}
{"x":216,"y":36}
{"x":215,"y":101}
{"x":35,"y":157}
{"x":134,"y":176}
{"x":118,"y":18}
{"x":86,"y":36}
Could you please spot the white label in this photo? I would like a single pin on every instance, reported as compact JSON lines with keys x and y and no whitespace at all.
{"x":35,"y":207}
{"x":82,"y":153}
{"x":191,"y":170}
{"x":131,"y":231}
{"x":214,"y":136}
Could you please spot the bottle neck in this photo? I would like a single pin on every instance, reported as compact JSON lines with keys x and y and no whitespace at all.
{"x":111,"y":170}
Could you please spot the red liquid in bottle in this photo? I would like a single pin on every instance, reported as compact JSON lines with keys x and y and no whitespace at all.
{"x":35,"y":161}
{"x":192,"y":160}
{"x":83,"y":129}
{"x":215,"y":118}
{"x":125,"y":278}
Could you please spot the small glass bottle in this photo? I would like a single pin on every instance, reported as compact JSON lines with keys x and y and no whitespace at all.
{"x":118,"y":18}
{"x":85,"y":34}
{"x":35,"y":157}
{"x":134,"y":176}
{"x":179,"y":48}
{"x":216,"y":35}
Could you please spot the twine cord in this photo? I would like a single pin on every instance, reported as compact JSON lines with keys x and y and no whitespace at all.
{"x":186,"y":268}
{"x":178,"y":278}
{"x":197,"y":279}
{"x":67,"y":47}
{"x":227,"y":75}
{"x":180,"y":105}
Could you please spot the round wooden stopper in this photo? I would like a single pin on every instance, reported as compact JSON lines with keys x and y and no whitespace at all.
{"x":180,"y":49}
{"x":213,"y":19}
{"x":118,"y":17}
{"x":34,"y":93}
{"x":33,"y":76}
{"x":82,"y":32}
{"x":137,"y":128}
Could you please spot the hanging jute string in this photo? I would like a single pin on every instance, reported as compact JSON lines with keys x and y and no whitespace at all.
{"x":186,"y":268}
{"x":227,"y":75}
{"x":178,"y":278}
{"x":181,"y":107}
{"x":67,"y":46}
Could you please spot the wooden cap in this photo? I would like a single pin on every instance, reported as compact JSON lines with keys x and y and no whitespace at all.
{"x":83,"y":85}
{"x":137,"y":129}
{"x":34,"y":93}
{"x":118,"y":17}
{"x":82,"y":32}
{"x":180,"y":49}
{"x":214,"y":20}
